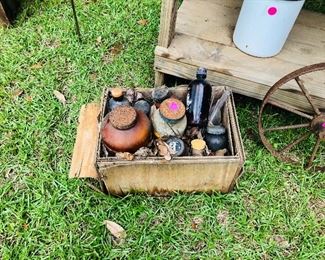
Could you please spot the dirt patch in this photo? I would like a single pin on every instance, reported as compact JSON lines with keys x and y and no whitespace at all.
{"x":318,"y":207}
{"x":223,"y":218}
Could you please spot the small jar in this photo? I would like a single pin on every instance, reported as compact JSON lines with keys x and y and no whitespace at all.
{"x":143,"y":105}
{"x":118,"y":99}
{"x":159,"y":95}
{"x":169,"y":119}
{"x":198,"y":147}
{"x":126,"y":130}
{"x":176,"y":145}
{"x":216,"y":137}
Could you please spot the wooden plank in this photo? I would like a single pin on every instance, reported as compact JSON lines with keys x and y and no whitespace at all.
{"x":160,"y":177}
{"x":233,"y":62}
{"x":84,"y":152}
{"x":167,"y":22}
{"x":245,"y":87}
{"x":3,"y":17}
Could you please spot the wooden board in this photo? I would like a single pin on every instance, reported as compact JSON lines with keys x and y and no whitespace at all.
{"x":84,"y":152}
{"x":204,"y":30}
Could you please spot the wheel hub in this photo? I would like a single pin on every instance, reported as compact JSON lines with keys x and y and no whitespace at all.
{"x":318,"y":126}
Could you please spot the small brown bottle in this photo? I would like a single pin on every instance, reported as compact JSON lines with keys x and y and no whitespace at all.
{"x":118,"y":99}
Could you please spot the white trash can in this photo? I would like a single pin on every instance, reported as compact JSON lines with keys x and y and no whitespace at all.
{"x":264,"y":25}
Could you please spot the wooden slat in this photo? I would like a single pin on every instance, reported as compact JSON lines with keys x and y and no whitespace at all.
{"x":84,"y":152}
{"x":238,"y":85}
{"x":167,"y":22}
{"x":190,"y":176}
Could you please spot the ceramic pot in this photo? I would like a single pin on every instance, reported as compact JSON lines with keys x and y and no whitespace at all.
{"x":126,"y":130}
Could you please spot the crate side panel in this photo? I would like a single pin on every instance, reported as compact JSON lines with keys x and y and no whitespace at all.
{"x":164,"y":177}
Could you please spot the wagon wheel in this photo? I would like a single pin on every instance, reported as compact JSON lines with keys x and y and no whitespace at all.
{"x":306,"y":130}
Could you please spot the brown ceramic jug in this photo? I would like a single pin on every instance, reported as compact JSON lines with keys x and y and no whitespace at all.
{"x":126,"y":129}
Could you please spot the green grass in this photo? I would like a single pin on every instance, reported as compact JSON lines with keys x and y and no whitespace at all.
{"x":276,"y":211}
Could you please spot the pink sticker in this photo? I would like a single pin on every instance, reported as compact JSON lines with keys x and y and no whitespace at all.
{"x":173,"y":106}
{"x":323,"y":125}
{"x":272,"y":10}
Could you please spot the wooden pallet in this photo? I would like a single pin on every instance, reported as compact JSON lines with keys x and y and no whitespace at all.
{"x":199,"y":33}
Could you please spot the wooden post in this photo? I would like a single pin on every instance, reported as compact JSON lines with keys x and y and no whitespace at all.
{"x":167,"y":30}
{"x":3,"y":17}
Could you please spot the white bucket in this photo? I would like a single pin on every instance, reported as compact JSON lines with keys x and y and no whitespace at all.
{"x":264,"y":25}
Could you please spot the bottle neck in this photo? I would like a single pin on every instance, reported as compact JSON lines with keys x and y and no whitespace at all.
{"x":118,"y":98}
{"x":201,"y":76}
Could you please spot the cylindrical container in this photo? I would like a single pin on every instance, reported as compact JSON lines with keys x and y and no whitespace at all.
{"x":169,"y":119}
{"x":198,"y":147}
{"x":263,"y":25}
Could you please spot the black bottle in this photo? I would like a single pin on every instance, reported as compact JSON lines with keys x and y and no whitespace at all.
{"x":198,"y":99}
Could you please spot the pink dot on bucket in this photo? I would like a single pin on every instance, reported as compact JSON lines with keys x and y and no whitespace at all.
{"x":323,"y":125}
{"x":272,"y":10}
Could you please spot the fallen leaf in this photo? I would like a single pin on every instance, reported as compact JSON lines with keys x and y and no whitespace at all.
{"x":130,"y":95}
{"x":38,"y":65}
{"x":118,"y":233}
{"x":116,"y":49}
{"x":17,"y":93}
{"x":98,"y":40}
{"x":221,"y":152}
{"x":163,"y":150}
{"x":112,"y":52}
{"x":197,"y":223}
{"x":143,"y":22}
{"x":60,"y":97}
{"x":125,"y":156}
{"x":143,"y":152}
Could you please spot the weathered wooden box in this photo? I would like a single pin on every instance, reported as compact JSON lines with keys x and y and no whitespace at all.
{"x":155,"y":175}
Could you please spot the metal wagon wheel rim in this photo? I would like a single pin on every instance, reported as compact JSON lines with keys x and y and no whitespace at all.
{"x":315,"y":126}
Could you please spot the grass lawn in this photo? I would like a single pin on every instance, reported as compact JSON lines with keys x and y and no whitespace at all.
{"x":276,"y":211}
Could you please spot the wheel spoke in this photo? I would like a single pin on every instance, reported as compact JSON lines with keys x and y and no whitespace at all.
{"x":286,"y":127}
{"x":300,"y":139}
{"x":312,"y":157}
{"x":306,"y":93}
{"x":290,"y":108}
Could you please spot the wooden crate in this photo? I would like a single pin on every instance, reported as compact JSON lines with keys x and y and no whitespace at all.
{"x":199,"y":33}
{"x":155,"y":175}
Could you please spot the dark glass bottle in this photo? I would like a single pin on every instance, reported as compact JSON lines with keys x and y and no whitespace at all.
{"x":198,"y":99}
